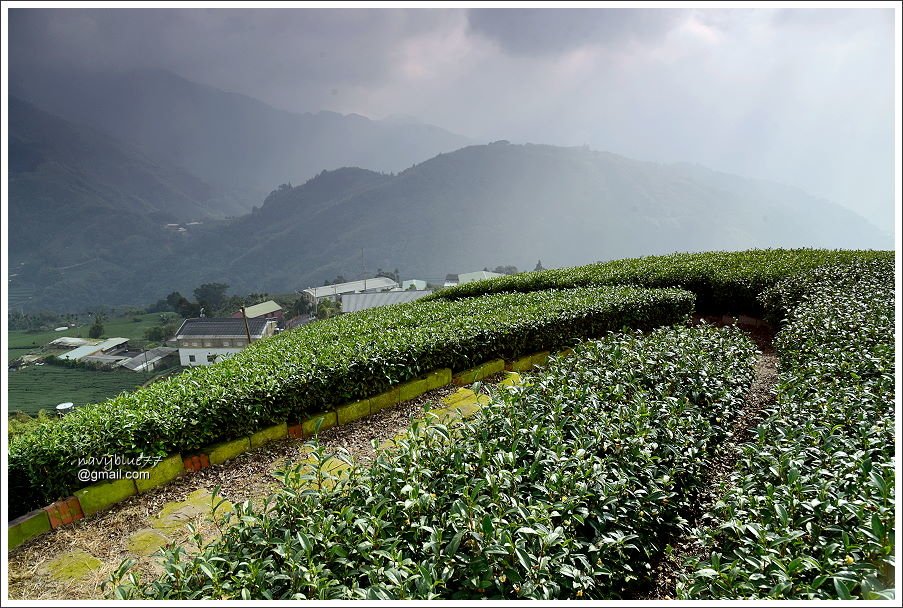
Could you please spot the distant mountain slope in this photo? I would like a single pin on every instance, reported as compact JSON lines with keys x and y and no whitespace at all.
{"x":227,"y":139}
{"x":501,"y":203}
{"x":77,"y":196}
{"x":487,"y":205}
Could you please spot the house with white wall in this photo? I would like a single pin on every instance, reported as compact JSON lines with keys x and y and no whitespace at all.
{"x":206,"y":340}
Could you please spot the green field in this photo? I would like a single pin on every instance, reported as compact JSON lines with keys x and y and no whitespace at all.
{"x":22,"y":342}
{"x":43,"y":387}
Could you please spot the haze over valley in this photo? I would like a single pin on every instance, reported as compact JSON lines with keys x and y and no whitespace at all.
{"x":129,"y":179}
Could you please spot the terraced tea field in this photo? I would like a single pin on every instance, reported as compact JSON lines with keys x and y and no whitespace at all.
{"x":655,"y":458}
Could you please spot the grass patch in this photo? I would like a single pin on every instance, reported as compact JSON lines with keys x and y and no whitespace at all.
{"x":34,"y":388}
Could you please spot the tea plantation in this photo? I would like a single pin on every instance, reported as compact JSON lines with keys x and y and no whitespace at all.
{"x":723,"y":281}
{"x":573,"y":485}
{"x":302,"y":372}
{"x":568,"y":487}
{"x":810,"y":513}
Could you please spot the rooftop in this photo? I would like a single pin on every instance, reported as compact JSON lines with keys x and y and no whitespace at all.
{"x":375,"y":284}
{"x":361,"y":301}
{"x":89,"y":349}
{"x":148,"y":357}
{"x":213,"y":327}
{"x":264,"y":308}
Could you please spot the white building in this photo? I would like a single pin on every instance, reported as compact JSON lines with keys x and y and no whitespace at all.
{"x":206,"y":340}
{"x":110,"y":346}
{"x":417,"y":283}
{"x":353,"y":302}
{"x":334,"y":292}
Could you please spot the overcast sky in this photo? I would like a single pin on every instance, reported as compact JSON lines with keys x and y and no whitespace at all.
{"x":802,"y":96}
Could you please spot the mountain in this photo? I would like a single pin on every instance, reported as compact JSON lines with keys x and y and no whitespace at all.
{"x":513,"y":204}
{"x":484,"y":206}
{"x":233,"y":141}
{"x":79,"y":197}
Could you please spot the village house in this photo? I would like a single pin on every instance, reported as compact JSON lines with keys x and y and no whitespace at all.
{"x":206,"y":340}
{"x":149,"y":360}
{"x":269,"y":310}
{"x":335,"y":292}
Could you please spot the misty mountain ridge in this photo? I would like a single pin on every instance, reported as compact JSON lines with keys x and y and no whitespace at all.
{"x":236,"y":142}
{"x":478,"y":206}
{"x":469,"y":208}
{"x":71,"y":186}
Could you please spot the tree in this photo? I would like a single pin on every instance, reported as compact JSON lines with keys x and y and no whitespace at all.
{"x":160,"y":333}
{"x":174,"y":299}
{"x":188,"y":309}
{"x":538,"y":266}
{"x":327,"y":308}
{"x":388,"y":274}
{"x":160,"y":305}
{"x":299,"y":307}
{"x":96,"y":330}
{"x":211,"y":295}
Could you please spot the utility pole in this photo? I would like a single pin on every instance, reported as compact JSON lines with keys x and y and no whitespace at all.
{"x":363,"y":272}
{"x":247,"y":330}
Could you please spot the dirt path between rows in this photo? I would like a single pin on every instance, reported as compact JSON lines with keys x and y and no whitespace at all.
{"x":759,"y":397}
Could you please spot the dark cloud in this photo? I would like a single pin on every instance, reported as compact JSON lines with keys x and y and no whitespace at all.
{"x":802,"y":96}
{"x":551,"y":31}
{"x":246,"y":49}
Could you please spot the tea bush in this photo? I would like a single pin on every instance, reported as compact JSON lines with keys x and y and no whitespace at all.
{"x":567,"y":487}
{"x":319,"y":366}
{"x":810,"y":510}
{"x":724,"y":282}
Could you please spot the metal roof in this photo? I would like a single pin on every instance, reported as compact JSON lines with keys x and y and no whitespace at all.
{"x":73,"y":342}
{"x":375,"y":284}
{"x":106,"y":359}
{"x":112,"y":343}
{"x":264,"y":308}
{"x":82,"y":351}
{"x":148,"y":357}
{"x":89,"y":349}
{"x":214,"y":327}
{"x":353,"y":302}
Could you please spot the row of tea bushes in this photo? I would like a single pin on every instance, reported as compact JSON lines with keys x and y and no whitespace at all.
{"x":724,"y":282}
{"x":318,"y":367}
{"x":568,"y":486}
{"x":810,"y":510}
